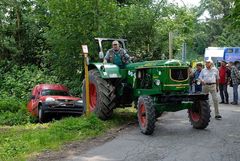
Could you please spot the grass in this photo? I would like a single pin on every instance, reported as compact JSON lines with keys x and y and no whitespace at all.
{"x":24,"y":141}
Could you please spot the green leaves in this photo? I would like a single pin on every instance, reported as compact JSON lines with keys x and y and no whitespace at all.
{"x":19,"y":81}
{"x":48,"y":34}
{"x":21,"y":39}
{"x":234,"y":16}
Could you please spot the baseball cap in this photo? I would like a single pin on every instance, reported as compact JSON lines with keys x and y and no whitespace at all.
{"x":209,"y":61}
{"x":199,"y":64}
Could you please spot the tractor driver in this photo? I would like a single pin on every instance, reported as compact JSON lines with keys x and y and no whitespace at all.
{"x":117,"y":55}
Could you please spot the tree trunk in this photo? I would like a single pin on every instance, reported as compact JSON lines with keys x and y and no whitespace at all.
{"x":18,"y":25}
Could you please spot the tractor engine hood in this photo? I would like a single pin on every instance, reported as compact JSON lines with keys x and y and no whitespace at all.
{"x":157,"y":64}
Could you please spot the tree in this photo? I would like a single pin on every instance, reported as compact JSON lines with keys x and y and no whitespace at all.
{"x":235,"y":14}
{"x":21,"y":36}
{"x":217,"y":26}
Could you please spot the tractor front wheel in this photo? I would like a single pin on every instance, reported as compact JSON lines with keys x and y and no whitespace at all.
{"x":199,"y":114}
{"x":146,"y":115}
{"x":102,"y":95}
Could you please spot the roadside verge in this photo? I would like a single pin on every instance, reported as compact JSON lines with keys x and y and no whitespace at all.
{"x":28,"y":141}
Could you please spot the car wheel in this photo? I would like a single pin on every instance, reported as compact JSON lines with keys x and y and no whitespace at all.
{"x":41,"y":115}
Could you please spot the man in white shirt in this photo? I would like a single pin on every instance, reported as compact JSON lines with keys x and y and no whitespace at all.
{"x":209,"y":77}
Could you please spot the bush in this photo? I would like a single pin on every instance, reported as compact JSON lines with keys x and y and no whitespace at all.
{"x":9,"y":105}
{"x":13,"y":112}
{"x":19,"y":81}
{"x":19,"y":118}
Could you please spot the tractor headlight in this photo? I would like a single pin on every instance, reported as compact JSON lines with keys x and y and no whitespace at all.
{"x":50,"y":99}
{"x":157,"y":82}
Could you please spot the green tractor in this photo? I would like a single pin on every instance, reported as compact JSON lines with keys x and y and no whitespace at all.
{"x":153,"y":86}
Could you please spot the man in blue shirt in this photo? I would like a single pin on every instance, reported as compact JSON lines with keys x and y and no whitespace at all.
{"x":117,"y":55}
{"x":196,"y":81}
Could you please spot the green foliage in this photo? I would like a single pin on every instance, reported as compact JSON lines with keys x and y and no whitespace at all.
{"x":217,"y":29}
{"x":20,"y":117}
{"x":235,"y":16}
{"x":9,"y":104}
{"x":18,"y":81}
{"x":145,"y":24}
{"x":32,"y":32}
{"x":229,"y":37}
{"x":13,"y":112}
{"x":21,"y":32}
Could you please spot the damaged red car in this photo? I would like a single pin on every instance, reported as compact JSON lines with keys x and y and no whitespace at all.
{"x":48,"y":99}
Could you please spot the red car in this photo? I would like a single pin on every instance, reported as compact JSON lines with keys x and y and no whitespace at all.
{"x":53,"y":99}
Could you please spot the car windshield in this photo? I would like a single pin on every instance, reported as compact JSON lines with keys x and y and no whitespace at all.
{"x":50,"y":92}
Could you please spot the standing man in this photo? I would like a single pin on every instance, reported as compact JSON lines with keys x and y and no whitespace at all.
{"x":117,"y":55}
{"x":196,"y":81}
{"x":224,"y":74}
{"x":209,"y":77}
{"x":235,"y":77}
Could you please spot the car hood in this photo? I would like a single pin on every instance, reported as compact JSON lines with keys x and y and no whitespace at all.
{"x":43,"y":98}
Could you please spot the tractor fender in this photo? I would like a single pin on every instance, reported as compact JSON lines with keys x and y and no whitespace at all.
{"x":106,"y":70}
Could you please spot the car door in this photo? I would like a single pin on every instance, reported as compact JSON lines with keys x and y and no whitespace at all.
{"x":33,"y":102}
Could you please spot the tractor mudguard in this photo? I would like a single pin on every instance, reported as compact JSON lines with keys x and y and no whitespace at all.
{"x":106,"y":70}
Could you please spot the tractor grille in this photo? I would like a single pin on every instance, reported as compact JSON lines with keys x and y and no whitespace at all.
{"x":179,"y":74}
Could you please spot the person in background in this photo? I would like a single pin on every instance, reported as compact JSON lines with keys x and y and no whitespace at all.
{"x":196,"y":81}
{"x":237,"y":64}
{"x":117,"y":55}
{"x":190,"y":72}
{"x":209,"y":77}
{"x":235,"y":77}
{"x":224,"y":74}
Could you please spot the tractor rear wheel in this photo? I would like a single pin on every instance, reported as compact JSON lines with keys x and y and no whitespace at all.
{"x":146,"y":115}
{"x":102,"y":95}
{"x":199,"y":114}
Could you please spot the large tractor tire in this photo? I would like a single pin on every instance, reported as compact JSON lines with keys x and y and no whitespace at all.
{"x":102,"y":95}
{"x":146,"y":115}
{"x":199,"y":114}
